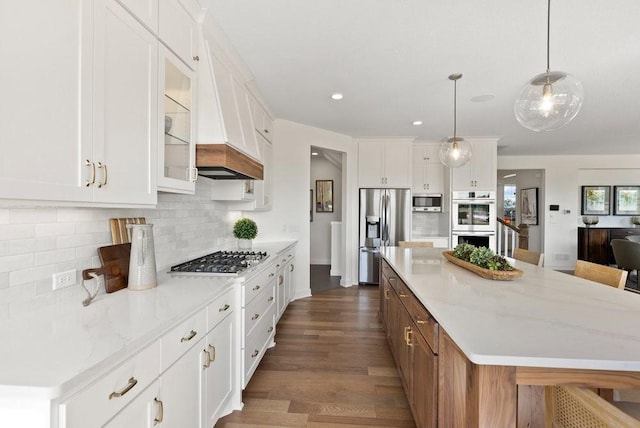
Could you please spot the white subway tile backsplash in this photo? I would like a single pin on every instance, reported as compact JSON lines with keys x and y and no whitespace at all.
{"x":16,"y":231}
{"x":37,"y":242}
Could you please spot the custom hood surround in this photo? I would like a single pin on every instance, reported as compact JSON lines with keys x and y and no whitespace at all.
{"x":223,"y":162}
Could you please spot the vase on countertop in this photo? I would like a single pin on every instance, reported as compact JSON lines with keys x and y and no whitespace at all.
{"x":244,"y":244}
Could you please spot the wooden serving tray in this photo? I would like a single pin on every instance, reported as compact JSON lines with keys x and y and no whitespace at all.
{"x":498,"y":275}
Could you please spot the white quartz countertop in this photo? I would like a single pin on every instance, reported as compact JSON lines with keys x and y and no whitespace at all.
{"x":542,"y":319}
{"x":54,"y":351}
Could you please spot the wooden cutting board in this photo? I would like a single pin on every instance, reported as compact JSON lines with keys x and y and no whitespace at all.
{"x":119,"y":232}
{"x":115,"y":263}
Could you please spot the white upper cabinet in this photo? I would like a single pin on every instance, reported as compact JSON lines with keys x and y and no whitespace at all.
{"x":179,"y":31}
{"x":261,"y":120}
{"x":96,"y":136}
{"x":224,"y":113}
{"x":480,"y":173}
{"x":176,"y":149}
{"x":125,"y":100}
{"x":384,"y":163}
{"x":428,"y":171}
{"x":46,"y":115}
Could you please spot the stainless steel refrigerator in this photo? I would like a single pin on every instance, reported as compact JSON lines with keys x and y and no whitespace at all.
{"x":385,"y":219}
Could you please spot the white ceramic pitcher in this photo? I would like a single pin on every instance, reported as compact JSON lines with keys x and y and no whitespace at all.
{"x":142,"y":262}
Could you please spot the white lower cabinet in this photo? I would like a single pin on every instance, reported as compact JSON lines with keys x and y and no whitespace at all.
{"x":291,"y":276}
{"x":281,"y":288}
{"x":218,"y":372}
{"x":180,"y":392}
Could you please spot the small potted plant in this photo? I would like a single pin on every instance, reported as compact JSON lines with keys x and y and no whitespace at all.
{"x":245,"y":230}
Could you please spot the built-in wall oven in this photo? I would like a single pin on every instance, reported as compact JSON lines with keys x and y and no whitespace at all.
{"x":473,"y":218}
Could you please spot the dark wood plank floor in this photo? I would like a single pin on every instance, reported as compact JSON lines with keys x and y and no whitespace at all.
{"x":331,"y":367}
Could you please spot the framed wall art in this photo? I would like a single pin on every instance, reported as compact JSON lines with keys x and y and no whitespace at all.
{"x":324,"y":196}
{"x":595,"y":200}
{"x":529,"y":206}
{"x":626,"y":200}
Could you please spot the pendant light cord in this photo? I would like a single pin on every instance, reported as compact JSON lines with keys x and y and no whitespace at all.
{"x":548,"y":32}
{"x":455,"y":85}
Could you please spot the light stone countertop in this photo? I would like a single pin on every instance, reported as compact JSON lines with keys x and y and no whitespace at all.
{"x":542,"y":319}
{"x":57,"y":350}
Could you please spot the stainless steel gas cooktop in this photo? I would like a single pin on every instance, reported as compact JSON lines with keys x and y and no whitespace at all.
{"x":224,"y":263}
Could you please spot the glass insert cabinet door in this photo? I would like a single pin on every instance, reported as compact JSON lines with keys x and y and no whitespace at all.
{"x":177,"y":157}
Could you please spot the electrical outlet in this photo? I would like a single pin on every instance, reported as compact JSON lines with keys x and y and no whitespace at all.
{"x":64,"y":279}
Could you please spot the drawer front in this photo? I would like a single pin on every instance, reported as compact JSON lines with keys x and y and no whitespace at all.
{"x":220,"y":308}
{"x":425,"y":323}
{"x":387,"y":271}
{"x":256,"y":310}
{"x":181,"y":338}
{"x":93,"y":406}
{"x":405,"y":295}
{"x":254,"y":286}
{"x":257,"y":344}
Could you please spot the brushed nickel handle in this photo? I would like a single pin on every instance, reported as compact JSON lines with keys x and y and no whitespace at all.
{"x":271,"y":274}
{"x":266,"y":131}
{"x":130,"y":384}
{"x":255,"y":353}
{"x":270,"y":299}
{"x":196,"y":58}
{"x":256,"y":288}
{"x":224,"y":308}
{"x":212,"y":353}
{"x":270,"y":329}
{"x":255,"y":317}
{"x":280,"y":280}
{"x":104,"y":176}
{"x":278,"y":265}
{"x":91,"y":180}
{"x":190,"y":336}
{"x":284,"y":260}
{"x":291,"y":268}
{"x":158,"y":419}
{"x":207,"y":359}
{"x":193,"y":177}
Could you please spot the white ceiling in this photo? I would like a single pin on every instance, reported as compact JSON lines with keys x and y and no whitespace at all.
{"x":391,"y":59}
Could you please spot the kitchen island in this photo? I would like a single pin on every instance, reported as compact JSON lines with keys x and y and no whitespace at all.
{"x":499,"y":342}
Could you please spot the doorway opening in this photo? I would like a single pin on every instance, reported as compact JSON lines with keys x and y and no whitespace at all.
{"x":325,"y":216}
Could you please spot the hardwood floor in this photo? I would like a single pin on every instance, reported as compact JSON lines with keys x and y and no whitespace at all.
{"x":331,"y":367}
{"x":321,"y":280}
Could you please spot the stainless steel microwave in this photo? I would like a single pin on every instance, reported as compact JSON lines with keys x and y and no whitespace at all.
{"x":431,"y":203}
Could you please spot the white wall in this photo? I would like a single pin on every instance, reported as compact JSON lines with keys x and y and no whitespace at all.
{"x":322,"y":169}
{"x":289,"y":218}
{"x":563,"y":176}
{"x":38,"y":242}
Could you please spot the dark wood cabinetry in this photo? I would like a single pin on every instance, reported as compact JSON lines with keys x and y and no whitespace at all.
{"x":594,"y":243}
{"x":413,"y":336}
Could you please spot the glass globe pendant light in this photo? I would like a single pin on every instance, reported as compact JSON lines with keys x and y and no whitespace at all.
{"x":550,"y":100}
{"x":455,"y":152}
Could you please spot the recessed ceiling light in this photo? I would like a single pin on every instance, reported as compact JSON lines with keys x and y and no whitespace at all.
{"x":337,"y":96}
{"x":509,"y":176}
{"x":416,"y":123}
{"x":314,"y":153}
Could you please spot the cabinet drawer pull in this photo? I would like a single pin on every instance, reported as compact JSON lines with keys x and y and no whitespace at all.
{"x":280,"y":280}
{"x":130,"y":384}
{"x":401,"y":294}
{"x":291,"y":268}
{"x":255,"y":353}
{"x":270,"y":299}
{"x":266,"y":131}
{"x":271,"y":274}
{"x":386,"y":293}
{"x":158,"y":419}
{"x":224,"y":308}
{"x":191,"y":335}
{"x":196,"y":58}
{"x":278,"y":265}
{"x":270,"y":329}
{"x":104,"y":176}
{"x":212,"y":353}
{"x":92,"y":179}
{"x":421,"y":321}
{"x":256,"y":288}
{"x":255,"y":317}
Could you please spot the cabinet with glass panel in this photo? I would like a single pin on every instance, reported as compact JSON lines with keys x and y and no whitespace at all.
{"x":177,"y":155}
